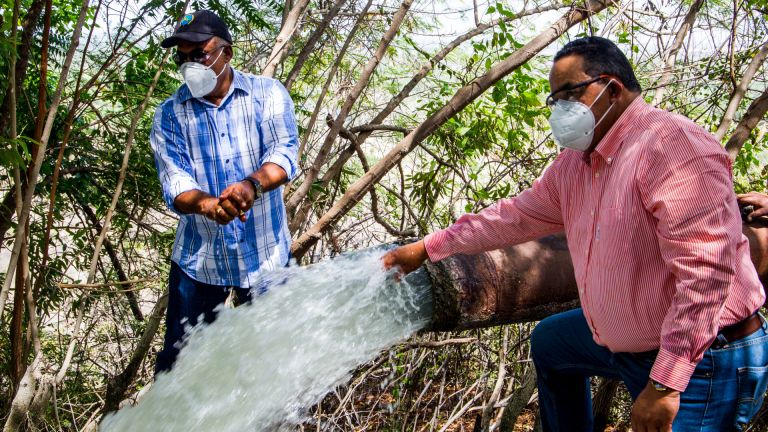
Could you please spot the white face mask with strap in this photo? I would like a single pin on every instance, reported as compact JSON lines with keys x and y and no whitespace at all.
{"x":200,"y":79}
{"x":573,"y":123}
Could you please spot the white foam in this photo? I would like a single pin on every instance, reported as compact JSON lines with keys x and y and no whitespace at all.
{"x":260,"y":366}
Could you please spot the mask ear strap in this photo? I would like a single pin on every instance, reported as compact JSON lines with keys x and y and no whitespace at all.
{"x":601,"y":92}
{"x":598,"y":97}
{"x":221,"y":50}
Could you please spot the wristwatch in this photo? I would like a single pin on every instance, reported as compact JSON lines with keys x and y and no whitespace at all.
{"x":258,"y":189}
{"x":659,"y":386}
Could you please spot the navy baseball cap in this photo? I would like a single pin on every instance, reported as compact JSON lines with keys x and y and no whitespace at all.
{"x":198,"y":27}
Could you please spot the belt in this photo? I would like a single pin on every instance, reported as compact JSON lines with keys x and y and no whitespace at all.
{"x":742,"y":328}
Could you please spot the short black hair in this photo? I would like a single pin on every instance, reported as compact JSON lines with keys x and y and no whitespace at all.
{"x":601,"y":56}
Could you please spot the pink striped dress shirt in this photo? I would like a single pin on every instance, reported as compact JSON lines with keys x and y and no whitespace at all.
{"x":654,"y":232}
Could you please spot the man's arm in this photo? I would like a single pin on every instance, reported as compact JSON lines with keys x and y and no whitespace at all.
{"x":196,"y":201}
{"x":241,"y":195}
{"x":534,"y":213}
{"x":181,"y":191}
{"x":280,"y":137}
{"x":685,"y":182}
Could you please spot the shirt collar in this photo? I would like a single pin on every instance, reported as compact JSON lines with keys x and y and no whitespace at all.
{"x":238,"y":83}
{"x":611,"y":142}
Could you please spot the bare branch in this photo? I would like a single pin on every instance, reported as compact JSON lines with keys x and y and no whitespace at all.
{"x":365,"y":76}
{"x":117,"y":385}
{"x":754,"y":114}
{"x":671,"y":55}
{"x":290,"y":24}
{"x":461,"y":99}
{"x":309,"y":46}
{"x":741,"y":90}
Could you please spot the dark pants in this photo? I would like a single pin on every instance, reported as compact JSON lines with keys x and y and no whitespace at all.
{"x":725,"y":391}
{"x":188,"y":302}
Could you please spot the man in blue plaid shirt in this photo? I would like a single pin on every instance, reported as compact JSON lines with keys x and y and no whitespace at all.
{"x":224,"y":145}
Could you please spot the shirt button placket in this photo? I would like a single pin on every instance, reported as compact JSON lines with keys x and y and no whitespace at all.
{"x":226,"y":145}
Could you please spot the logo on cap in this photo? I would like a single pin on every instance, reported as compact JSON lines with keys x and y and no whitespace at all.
{"x":188,"y":18}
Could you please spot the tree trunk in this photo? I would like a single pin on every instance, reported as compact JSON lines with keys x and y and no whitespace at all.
{"x":35,"y":381}
{"x":17,"y":320}
{"x":15,"y":335}
{"x":461,"y":99}
{"x":518,"y":401}
{"x":25,"y":46}
{"x":7,"y":207}
{"x":603,"y":401}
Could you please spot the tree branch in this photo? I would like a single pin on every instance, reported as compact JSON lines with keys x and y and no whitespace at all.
{"x":671,"y":55}
{"x":754,"y":114}
{"x":133,"y":302}
{"x":461,"y":99}
{"x":740,"y":91}
{"x":322,"y":155}
{"x":117,"y":385}
{"x":290,"y":24}
{"x":309,"y":46}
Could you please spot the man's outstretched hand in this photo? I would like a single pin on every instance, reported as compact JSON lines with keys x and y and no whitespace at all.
{"x":406,"y":258}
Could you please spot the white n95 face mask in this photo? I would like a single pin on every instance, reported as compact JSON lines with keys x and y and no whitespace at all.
{"x":201,"y":80}
{"x":573,"y":123}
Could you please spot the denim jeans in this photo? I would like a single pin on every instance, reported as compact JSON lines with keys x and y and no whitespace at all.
{"x":725,"y":391}
{"x":188,"y":302}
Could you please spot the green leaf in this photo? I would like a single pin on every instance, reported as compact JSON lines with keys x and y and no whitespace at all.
{"x":498,"y":93}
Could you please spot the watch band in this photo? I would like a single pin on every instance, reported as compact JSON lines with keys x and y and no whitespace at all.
{"x":258,"y":189}
{"x":659,"y":386}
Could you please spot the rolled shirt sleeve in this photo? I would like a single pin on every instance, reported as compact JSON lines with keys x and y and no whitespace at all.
{"x":279,"y":131}
{"x":534,"y":213}
{"x":171,"y":158}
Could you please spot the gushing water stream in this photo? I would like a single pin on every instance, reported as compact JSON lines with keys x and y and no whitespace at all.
{"x":261,"y":365}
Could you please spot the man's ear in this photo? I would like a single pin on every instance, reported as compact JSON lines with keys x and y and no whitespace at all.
{"x":615,"y":88}
{"x":228,"y":53}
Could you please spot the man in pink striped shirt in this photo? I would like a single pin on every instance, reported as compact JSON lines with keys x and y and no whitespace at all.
{"x":667,"y":289}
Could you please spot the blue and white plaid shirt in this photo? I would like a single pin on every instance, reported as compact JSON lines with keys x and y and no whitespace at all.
{"x":199,"y":145}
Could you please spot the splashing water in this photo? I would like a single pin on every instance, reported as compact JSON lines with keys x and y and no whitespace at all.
{"x":261,"y":365}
